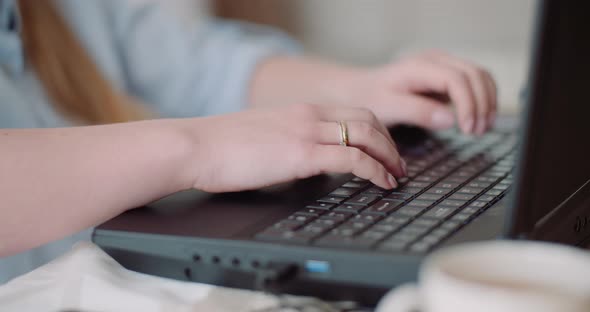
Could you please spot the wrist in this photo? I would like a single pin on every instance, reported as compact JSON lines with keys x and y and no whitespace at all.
{"x":176,"y":148}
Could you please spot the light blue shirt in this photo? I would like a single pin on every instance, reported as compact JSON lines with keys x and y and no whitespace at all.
{"x":177,"y":71}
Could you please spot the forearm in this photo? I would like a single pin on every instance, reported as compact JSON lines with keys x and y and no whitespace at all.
{"x":58,"y":181}
{"x":290,"y":80}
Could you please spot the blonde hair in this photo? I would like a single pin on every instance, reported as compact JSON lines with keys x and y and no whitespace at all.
{"x":72,"y":81}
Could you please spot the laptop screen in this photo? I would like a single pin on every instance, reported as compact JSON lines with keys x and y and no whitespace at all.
{"x":555,"y":158}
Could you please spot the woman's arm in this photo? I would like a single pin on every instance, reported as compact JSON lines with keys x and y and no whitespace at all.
{"x":55,"y":182}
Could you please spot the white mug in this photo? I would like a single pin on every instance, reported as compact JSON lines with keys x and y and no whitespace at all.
{"x":499,"y":276}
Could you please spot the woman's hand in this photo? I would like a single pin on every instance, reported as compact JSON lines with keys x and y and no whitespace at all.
{"x":258,"y":148}
{"x":416,"y":90}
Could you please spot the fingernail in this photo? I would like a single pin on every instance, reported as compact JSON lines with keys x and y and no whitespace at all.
{"x":392,"y":181}
{"x":404,"y":166}
{"x":468,"y":126}
{"x":443,"y":119}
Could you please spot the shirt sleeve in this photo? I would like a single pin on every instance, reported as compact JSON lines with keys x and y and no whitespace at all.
{"x":192,"y":71}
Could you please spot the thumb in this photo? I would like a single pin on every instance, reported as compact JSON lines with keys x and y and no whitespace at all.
{"x":419,"y":111}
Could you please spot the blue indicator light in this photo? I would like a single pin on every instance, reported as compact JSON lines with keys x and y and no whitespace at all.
{"x":315,"y":266}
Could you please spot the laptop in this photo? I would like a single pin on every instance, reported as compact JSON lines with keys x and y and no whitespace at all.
{"x":339,"y":237}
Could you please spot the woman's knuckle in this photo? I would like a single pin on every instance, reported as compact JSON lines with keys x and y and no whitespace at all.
{"x":308,"y":131}
{"x":366,"y":130}
{"x":459,"y":77}
{"x":306,"y":111}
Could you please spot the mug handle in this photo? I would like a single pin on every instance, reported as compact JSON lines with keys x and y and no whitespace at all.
{"x":404,"y":298}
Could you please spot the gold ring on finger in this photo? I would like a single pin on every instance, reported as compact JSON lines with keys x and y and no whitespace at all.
{"x":343,"y":133}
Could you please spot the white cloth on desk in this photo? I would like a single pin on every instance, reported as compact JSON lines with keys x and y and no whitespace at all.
{"x":87,"y":279}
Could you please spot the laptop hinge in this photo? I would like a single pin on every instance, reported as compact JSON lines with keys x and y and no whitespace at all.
{"x":569,"y":221}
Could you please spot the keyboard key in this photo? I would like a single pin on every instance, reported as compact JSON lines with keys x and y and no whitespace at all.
{"x":420,"y":247}
{"x":494,"y":173}
{"x":486,"y":179}
{"x":362,"y":200}
{"x":441,"y":232}
{"x":300,"y":218}
{"x":416,"y":167}
{"x":432,"y":239}
{"x":431,"y":197}
{"x":286,"y":225}
{"x":425,"y":222}
{"x":438,"y":191}
{"x":461,"y":217}
{"x":336,"y":216}
{"x":435,"y":175}
{"x":344,"y":231}
{"x":356,"y":224}
{"x":493,"y":192}
{"x":374,"y":234}
{"x":311,"y":212}
{"x":328,"y":222}
{"x":375,"y":190}
{"x":331,"y":200}
{"x":368,"y":218}
{"x":470,"y":190}
{"x":462,"y":197}
{"x":355,"y":185}
{"x":398,"y":196}
{"x":486,"y":198}
{"x":360,"y":180}
{"x":426,"y":179}
{"x":395,"y":220}
{"x":464,"y":173}
{"x":405,"y":236}
{"x":453,"y":203}
{"x":384,"y":207}
{"x":501,"y":187}
{"x":315,"y":228}
{"x":402,"y":181}
{"x":408,"y":211}
{"x":448,"y":185}
{"x":418,"y":184}
{"x":420,"y":203}
{"x":477,"y":204}
{"x":413,"y":229}
{"x":455,"y":179}
{"x":386,"y":227}
{"x":470,"y":210}
{"x":443,"y":169}
{"x":343,"y":192}
{"x":350,"y":208}
{"x":440,"y":212}
{"x":409,"y":190}
{"x":482,"y":185}
{"x":323,"y":206}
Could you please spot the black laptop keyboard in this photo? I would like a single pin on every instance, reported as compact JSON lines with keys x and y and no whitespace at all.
{"x":449,"y":183}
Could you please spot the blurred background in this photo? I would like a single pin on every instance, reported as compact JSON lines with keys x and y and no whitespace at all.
{"x":496,"y":34}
